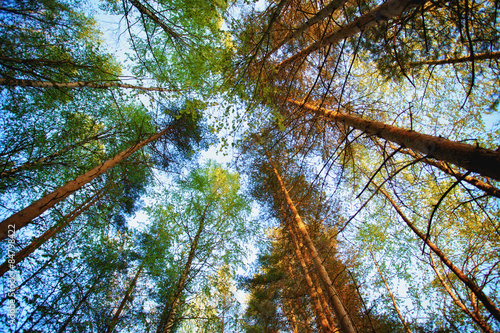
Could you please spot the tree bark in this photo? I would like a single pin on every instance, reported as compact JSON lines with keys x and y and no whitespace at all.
{"x":476,"y":57}
{"x":21,"y":255}
{"x":483,"y":161}
{"x":40,"y":161}
{"x":130,"y":289}
{"x":487,"y":188}
{"x":145,"y":11}
{"x":488,"y":304}
{"x":170,"y":313}
{"x":382,"y":13}
{"x":318,"y":307}
{"x":82,"y":301}
{"x":340,"y":312}
{"x":73,"y":85}
{"x":320,"y":15}
{"x":407,"y":329}
{"x":484,"y":326}
{"x":24,"y":217}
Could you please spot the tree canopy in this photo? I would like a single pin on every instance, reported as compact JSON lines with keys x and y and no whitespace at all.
{"x":361,"y":186}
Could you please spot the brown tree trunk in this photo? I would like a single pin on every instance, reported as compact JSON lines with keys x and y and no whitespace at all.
{"x":24,"y":217}
{"x":62,"y":329}
{"x":488,"y":304}
{"x":130,"y":289}
{"x":73,"y":85}
{"x":484,"y":326}
{"x":483,"y":161}
{"x":407,"y":329}
{"x":21,"y":255}
{"x":477,"y":57}
{"x":318,"y":308}
{"x":42,"y":160}
{"x":487,"y":188}
{"x":320,"y":15}
{"x":145,"y":11}
{"x":170,"y":313}
{"x":340,"y":312}
{"x":383,"y":13}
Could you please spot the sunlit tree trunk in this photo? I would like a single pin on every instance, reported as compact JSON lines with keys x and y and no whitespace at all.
{"x":394,"y":303}
{"x":145,"y":11}
{"x":42,"y":160}
{"x":126,"y":297}
{"x":320,"y":15}
{"x":21,"y":255}
{"x":487,"y":188}
{"x":483,"y":161}
{"x":470,"y":283}
{"x":447,"y":61}
{"x":24,"y":217}
{"x":340,"y":312}
{"x":318,"y":309}
{"x":169,"y":314}
{"x":73,"y":85}
{"x":484,"y":326}
{"x":383,"y":13}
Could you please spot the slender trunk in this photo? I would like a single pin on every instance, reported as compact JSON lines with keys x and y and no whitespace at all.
{"x":483,"y":161}
{"x":484,"y":326}
{"x":41,"y":268}
{"x":407,"y":329}
{"x":323,"y":298}
{"x":318,"y":307}
{"x":82,"y":301}
{"x":21,"y":255}
{"x":382,"y":13}
{"x":477,"y":57}
{"x":73,"y":85}
{"x":42,"y":160}
{"x":338,"y":308}
{"x":172,"y":307}
{"x":24,"y":217}
{"x":487,"y":188}
{"x":145,"y":11}
{"x":320,"y":15}
{"x":488,"y":304}
{"x":130,"y":289}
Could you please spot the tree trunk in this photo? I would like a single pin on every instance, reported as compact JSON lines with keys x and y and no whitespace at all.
{"x":382,"y":13}
{"x":484,"y":326}
{"x":21,"y":255}
{"x":338,"y":308}
{"x":488,"y":304}
{"x":487,"y":188}
{"x":483,"y":161}
{"x":318,"y":308}
{"x":130,"y":289}
{"x":40,"y":161}
{"x":315,"y":287}
{"x":73,"y":85}
{"x":324,"y":12}
{"x":477,"y":57}
{"x":169,"y":314}
{"x":145,"y":11}
{"x":407,"y":329}
{"x":82,"y":301}
{"x":24,"y":217}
